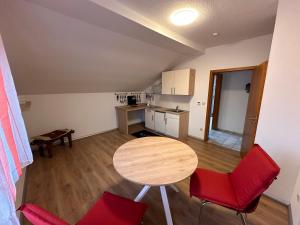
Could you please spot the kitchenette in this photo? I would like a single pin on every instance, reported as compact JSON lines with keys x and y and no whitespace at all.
{"x":172,"y":122}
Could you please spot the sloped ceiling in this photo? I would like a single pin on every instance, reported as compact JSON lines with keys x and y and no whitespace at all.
{"x":74,"y":46}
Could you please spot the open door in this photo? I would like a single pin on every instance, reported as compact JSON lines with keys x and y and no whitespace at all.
{"x":253,"y":109}
{"x":216,"y":101}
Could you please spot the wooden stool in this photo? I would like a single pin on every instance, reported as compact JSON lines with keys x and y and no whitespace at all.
{"x":48,"y":139}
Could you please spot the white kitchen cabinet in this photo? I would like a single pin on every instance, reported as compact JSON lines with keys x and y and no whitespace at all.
{"x":172,"y":125}
{"x":149,"y":119}
{"x":159,"y":122}
{"x":178,"y":82}
{"x":167,"y":82}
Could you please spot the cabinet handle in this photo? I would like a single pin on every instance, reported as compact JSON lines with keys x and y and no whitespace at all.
{"x":166,"y":120}
{"x":174,"y":91}
{"x":152,"y":117}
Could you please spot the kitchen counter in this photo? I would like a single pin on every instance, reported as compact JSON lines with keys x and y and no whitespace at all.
{"x":132,"y":108}
{"x":152,"y":107}
{"x":162,"y":120}
{"x":166,"y":110}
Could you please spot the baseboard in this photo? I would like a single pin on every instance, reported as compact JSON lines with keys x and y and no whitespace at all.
{"x":92,"y":134}
{"x":197,"y":138}
{"x":281,"y":201}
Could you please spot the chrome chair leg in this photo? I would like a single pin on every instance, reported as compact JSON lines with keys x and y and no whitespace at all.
{"x":200,"y":212}
{"x":243,"y":218}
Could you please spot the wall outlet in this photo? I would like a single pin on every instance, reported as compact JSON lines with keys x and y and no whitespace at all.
{"x":201,"y":129}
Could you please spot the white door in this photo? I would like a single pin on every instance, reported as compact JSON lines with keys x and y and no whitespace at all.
{"x":167,"y":83}
{"x":160,"y":124}
{"x":149,"y":119}
{"x":181,"y":82}
{"x":172,"y":125}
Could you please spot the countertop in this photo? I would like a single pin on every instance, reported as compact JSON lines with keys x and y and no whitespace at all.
{"x":152,"y":107}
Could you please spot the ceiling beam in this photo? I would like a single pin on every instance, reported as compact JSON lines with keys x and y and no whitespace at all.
{"x":121,"y":9}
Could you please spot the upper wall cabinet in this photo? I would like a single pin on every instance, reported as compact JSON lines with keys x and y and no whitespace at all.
{"x":178,"y":82}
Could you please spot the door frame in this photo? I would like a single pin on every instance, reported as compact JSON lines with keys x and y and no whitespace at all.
{"x":218,"y":78}
{"x":210,"y":93}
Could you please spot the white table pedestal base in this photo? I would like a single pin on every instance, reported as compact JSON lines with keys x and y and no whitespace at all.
{"x":164,"y":197}
{"x":174,"y":187}
{"x":142,"y":193}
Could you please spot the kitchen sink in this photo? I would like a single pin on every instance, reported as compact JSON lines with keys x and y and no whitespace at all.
{"x":175,"y":110}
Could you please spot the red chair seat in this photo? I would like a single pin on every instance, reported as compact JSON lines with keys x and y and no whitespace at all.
{"x":241,"y":189}
{"x":213,"y":187}
{"x":39,"y":216}
{"x":114,"y":210}
{"x":109,"y":210}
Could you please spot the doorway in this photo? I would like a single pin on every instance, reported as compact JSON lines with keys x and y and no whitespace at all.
{"x":234,"y":100}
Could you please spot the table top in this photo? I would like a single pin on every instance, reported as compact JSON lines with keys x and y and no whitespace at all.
{"x":155,"y":161}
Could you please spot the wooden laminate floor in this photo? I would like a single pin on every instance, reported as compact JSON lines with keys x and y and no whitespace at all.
{"x":69,"y":183}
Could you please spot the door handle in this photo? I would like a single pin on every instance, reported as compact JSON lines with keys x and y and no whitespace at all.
{"x":172,"y":91}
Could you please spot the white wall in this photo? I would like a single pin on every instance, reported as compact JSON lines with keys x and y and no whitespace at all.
{"x":86,"y":113}
{"x":170,"y":101}
{"x":234,"y":101}
{"x":278,"y":127}
{"x":244,"y":53}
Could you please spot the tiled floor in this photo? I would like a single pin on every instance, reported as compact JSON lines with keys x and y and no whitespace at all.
{"x":226,"y":139}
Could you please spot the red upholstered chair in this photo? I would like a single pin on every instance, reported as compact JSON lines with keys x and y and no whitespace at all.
{"x":239,"y":190}
{"x":109,"y":210}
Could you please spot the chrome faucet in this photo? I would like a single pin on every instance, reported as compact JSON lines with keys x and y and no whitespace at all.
{"x":177,"y":108}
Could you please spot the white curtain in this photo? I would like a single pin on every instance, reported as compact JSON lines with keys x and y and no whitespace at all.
{"x":8,"y":171}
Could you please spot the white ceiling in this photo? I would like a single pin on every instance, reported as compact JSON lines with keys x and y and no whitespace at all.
{"x":64,"y":46}
{"x":235,"y":19}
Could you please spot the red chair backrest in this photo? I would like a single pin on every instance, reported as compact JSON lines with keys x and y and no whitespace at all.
{"x":253,"y":176}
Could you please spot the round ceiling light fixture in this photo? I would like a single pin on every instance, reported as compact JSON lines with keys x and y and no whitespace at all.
{"x":184,"y":16}
{"x":215,"y":34}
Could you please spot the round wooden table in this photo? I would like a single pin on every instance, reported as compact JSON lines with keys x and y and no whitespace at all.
{"x":155,"y":161}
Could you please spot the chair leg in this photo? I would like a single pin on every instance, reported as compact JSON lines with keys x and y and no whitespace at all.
{"x":204,"y":203}
{"x":243,"y":218}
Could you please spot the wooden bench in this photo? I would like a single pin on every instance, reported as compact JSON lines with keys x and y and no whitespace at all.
{"x":48,"y":139}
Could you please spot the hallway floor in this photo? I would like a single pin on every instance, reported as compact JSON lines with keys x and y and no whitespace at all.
{"x":226,"y":139}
